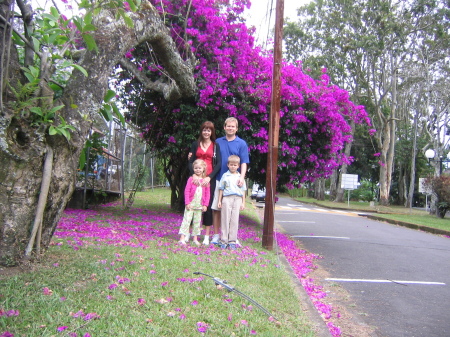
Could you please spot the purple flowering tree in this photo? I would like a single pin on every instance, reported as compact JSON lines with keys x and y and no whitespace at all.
{"x":234,"y":79}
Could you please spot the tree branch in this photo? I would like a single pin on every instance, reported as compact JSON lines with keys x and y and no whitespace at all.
{"x":169,"y":90}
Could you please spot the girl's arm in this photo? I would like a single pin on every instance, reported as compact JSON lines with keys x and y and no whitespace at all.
{"x":187,"y":191}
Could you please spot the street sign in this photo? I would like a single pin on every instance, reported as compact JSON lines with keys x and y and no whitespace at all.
{"x":349,"y":181}
{"x":423,"y":187}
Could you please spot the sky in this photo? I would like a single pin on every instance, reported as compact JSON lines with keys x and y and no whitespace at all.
{"x":262,"y":15}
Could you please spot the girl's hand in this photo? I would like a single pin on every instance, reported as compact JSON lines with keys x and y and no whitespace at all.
{"x":219,"y":204}
{"x":189,"y":155}
{"x":204,"y":208}
{"x":188,"y":207}
{"x":242,"y":207}
{"x":206,"y":181}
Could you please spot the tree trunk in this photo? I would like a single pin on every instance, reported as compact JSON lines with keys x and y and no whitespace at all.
{"x":333,"y":184}
{"x":320,"y":189}
{"x":23,"y":146}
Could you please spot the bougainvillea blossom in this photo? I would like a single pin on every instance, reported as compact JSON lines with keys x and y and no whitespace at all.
{"x":234,"y":78}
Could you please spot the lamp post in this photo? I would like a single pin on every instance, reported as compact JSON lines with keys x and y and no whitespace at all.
{"x":430,"y":153}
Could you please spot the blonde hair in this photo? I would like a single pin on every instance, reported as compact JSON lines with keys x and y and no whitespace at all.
{"x":231,"y":119}
{"x":234,"y":159}
{"x":202,"y":164}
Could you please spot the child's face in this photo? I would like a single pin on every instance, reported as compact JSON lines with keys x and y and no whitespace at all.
{"x":233,"y":167}
{"x":198,"y":170}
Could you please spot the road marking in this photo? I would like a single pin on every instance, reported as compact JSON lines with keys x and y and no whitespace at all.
{"x":320,"y":210}
{"x":291,"y":205}
{"x":383,"y":281}
{"x":320,"y":237}
{"x":298,"y":221}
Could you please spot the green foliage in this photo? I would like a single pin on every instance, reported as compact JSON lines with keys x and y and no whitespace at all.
{"x":95,"y":144}
{"x":365,"y":191}
{"x":24,"y":99}
{"x":441,"y":187}
{"x":61,"y":129}
{"x":110,"y":109}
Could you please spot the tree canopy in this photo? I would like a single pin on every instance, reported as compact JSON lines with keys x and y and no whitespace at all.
{"x":390,"y":55}
{"x":234,"y":79}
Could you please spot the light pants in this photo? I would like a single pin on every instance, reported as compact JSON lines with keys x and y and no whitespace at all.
{"x":194,"y":215}
{"x":229,"y":218}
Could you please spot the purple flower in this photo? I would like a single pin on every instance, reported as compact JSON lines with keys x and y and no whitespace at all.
{"x":7,"y":334}
{"x":202,"y":327}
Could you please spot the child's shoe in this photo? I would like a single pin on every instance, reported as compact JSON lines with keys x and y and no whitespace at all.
{"x":223,"y":245}
{"x":215,"y":239}
{"x":232,"y":246}
{"x":182,"y":242}
{"x":206,"y":240}
{"x":196,"y":243}
{"x":186,"y":238}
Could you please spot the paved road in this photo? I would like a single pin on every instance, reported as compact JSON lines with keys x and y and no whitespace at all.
{"x":398,"y":277}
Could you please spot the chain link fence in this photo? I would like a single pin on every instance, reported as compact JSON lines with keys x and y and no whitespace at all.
{"x":116,"y":162}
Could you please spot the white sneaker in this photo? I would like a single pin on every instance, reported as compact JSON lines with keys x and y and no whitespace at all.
{"x":206,"y":240}
{"x":186,"y":238}
{"x":238,"y":243}
{"x":215,"y":239}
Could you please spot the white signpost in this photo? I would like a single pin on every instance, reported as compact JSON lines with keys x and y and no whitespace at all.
{"x":349,"y":182}
{"x":425,"y":189}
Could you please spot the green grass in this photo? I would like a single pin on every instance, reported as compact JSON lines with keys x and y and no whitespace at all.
{"x":78,"y":279}
{"x":398,"y":213}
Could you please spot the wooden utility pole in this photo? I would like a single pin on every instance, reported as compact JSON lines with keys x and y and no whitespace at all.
{"x":274,"y":126}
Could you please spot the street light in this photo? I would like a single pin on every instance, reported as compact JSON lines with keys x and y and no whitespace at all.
{"x":430,"y":156}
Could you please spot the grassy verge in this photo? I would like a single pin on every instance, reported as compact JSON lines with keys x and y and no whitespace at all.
{"x":398,"y":213}
{"x":111,"y":272}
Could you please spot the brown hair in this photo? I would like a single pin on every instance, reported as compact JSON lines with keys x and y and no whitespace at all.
{"x":207,"y":125}
{"x":202,"y":163}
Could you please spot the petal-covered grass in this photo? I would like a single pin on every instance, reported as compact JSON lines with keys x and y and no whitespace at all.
{"x":111,"y":272}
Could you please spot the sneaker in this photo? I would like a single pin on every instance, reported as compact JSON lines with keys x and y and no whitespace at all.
{"x":232,"y":246}
{"x":186,"y":238}
{"x":206,"y":240}
{"x":238,"y":244}
{"x":181,"y":242}
{"x":215,"y":239}
{"x":223,"y":245}
{"x":196,"y":243}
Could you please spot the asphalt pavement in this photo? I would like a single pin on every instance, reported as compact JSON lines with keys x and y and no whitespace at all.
{"x":398,"y":278}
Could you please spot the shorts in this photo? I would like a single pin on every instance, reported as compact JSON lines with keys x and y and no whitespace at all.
{"x":216,"y":197}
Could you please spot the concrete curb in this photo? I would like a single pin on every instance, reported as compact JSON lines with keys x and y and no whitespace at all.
{"x":319,"y":325}
{"x":391,"y":221}
{"x":407,"y":224}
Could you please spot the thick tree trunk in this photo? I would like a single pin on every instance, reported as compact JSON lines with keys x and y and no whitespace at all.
{"x":319,"y":185}
{"x":23,"y":147}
